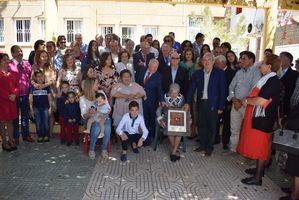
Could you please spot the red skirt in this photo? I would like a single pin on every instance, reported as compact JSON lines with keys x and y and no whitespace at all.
{"x":253,"y":143}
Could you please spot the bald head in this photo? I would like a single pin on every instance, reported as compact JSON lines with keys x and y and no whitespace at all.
{"x":153,"y":66}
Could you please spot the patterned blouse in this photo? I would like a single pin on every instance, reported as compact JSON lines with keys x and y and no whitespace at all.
{"x":72,"y":77}
{"x":106,"y":81}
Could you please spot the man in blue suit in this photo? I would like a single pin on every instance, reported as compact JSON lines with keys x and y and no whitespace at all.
{"x":210,"y":84}
{"x":150,"y":80}
{"x":141,"y":59}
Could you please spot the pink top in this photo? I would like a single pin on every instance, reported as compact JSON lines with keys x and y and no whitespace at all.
{"x":23,"y":72}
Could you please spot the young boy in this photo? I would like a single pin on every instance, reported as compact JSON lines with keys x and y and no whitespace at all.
{"x":40,"y":101}
{"x":61,"y":100}
{"x":128,"y":130}
{"x":102,"y":113}
{"x":72,"y":118}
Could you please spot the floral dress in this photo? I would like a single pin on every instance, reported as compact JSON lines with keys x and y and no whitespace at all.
{"x":72,"y":77}
{"x":106,"y":81}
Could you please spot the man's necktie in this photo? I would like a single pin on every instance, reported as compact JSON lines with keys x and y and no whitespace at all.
{"x":147,"y":77}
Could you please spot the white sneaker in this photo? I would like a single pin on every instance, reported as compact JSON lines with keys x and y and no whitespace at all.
{"x":86,"y":131}
{"x":101,"y":135}
{"x":92,"y":155}
{"x":105,"y":154}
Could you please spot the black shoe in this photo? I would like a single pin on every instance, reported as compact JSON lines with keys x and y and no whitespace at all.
{"x":77,"y":143}
{"x":251,"y":181}
{"x":68,"y":144}
{"x":199,"y":149}
{"x":208,"y":153}
{"x":123,"y":157}
{"x":8,"y":149}
{"x":62,"y":141}
{"x":288,"y":197}
{"x":135,"y":150}
{"x":286,"y":190}
{"x":173,"y":158}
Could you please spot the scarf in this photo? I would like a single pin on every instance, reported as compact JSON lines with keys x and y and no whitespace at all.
{"x":259,"y":111}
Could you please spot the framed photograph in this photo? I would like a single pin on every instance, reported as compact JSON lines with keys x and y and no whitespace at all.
{"x":177,"y":122}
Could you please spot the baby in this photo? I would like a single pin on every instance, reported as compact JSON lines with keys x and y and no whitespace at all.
{"x":102,"y":109}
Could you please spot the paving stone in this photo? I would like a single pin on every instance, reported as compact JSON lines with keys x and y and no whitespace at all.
{"x":57,"y":172}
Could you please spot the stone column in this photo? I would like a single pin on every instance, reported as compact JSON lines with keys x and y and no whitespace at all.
{"x":51,"y":19}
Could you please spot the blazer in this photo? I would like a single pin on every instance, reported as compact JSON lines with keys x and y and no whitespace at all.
{"x":153,"y":88}
{"x":137,"y":57}
{"x":181,"y":78}
{"x":162,"y":64}
{"x":217,"y":89}
{"x":289,"y":82}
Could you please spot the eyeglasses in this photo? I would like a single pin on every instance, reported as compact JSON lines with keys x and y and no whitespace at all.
{"x":175,"y":58}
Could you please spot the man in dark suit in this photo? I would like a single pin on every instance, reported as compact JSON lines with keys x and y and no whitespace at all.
{"x":220,"y":63}
{"x":175,"y":74}
{"x":150,"y":80}
{"x":210,"y":84}
{"x":164,"y":58}
{"x":142,"y":58}
{"x":288,"y":78}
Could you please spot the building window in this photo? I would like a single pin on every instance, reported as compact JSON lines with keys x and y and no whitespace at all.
{"x":23,"y":32}
{"x":127,"y":33}
{"x":72,"y":27}
{"x":42,"y":29}
{"x":193,"y":26}
{"x":1,"y":30}
{"x":151,"y":30}
{"x":106,"y":30}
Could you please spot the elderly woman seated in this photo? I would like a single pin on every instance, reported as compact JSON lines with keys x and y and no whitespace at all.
{"x":173,"y":99}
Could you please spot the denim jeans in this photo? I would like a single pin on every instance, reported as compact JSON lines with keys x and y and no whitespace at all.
{"x":23,"y":106}
{"x":41,"y":116}
{"x":95,"y":131}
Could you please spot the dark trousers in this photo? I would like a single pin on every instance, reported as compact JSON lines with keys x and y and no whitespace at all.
{"x":62,"y":128}
{"x":207,"y":121}
{"x":149,"y":113}
{"x":132,"y":138}
{"x":224,"y":119}
{"x":23,"y":106}
{"x":226,"y":126}
{"x":72,"y":129}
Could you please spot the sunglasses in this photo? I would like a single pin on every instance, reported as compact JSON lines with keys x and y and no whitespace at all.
{"x":62,"y":42}
{"x":167,"y":40}
{"x":175,"y":58}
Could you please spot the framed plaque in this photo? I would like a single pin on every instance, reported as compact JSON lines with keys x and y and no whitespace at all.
{"x":178,"y":122}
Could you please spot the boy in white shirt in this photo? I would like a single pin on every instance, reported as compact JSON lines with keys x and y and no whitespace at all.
{"x":128,"y":130}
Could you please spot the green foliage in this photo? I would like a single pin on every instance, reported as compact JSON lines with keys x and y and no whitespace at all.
{"x":213,"y":27}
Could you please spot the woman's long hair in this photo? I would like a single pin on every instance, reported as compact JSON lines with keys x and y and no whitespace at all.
{"x":88,"y":88}
{"x":64,"y":64}
{"x":89,"y":56}
{"x":103,"y":59}
{"x":47,"y":65}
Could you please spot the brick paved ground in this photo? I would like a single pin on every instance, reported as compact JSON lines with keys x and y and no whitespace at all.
{"x":53,"y":171}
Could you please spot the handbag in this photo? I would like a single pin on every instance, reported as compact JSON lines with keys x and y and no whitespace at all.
{"x":286,"y":140}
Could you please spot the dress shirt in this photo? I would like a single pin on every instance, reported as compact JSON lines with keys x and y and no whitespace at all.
{"x":206,"y":84}
{"x":167,"y":60}
{"x":23,"y":69}
{"x":132,"y":125}
{"x":243,"y":82}
{"x":173,"y":73}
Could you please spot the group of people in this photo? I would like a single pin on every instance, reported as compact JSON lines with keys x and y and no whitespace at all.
{"x":126,"y":90}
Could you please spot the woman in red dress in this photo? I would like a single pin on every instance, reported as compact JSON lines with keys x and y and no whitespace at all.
{"x":9,"y":89}
{"x":260,"y":115}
